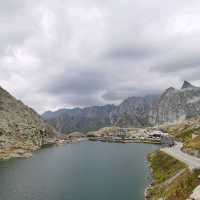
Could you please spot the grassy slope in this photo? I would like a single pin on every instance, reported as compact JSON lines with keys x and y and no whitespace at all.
{"x":180,"y":189}
{"x":164,"y":167}
{"x":193,"y":144}
{"x":161,"y":165}
{"x":183,"y":186}
{"x":184,"y":132}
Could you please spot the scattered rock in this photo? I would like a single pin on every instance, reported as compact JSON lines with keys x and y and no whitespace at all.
{"x":22,"y":130}
{"x":196,"y":194}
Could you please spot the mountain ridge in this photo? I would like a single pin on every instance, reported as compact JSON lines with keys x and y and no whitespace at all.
{"x":171,"y":106}
{"x":187,"y":84}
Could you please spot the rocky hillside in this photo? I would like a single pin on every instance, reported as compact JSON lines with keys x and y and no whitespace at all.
{"x":172,"y":180}
{"x":187,"y":132}
{"x":83,"y":120}
{"x":174,"y":105}
{"x":134,"y":111}
{"x":131,"y":112}
{"x":21,"y":129}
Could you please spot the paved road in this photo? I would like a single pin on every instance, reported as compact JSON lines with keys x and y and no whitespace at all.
{"x":175,"y":151}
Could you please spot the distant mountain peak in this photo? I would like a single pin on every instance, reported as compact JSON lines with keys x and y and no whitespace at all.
{"x":2,"y":91}
{"x":169,"y":90}
{"x":186,"y":85}
{"x":173,"y":105}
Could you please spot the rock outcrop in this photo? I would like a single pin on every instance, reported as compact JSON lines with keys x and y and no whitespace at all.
{"x":176,"y":105}
{"x":172,"y":106}
{"x":196,"y":194}
{"x":21,"y":129}
{"x":186,"y":85}
{"x":81,"y":120}
{"x":131,"y":112}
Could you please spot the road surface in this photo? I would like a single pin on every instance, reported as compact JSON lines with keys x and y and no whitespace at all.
{"x":175,"y":151}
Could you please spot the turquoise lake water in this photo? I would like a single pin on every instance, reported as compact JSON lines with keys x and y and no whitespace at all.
{"x":85,"y":171}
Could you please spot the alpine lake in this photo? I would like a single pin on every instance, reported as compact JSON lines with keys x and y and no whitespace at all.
{"x":82,"y":171}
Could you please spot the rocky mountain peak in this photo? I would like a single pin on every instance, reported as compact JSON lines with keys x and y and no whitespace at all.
{"x":187,"y":85}
{"x":170,"y":89}
{"x":3,"y":92}
{"x":171,"y":106}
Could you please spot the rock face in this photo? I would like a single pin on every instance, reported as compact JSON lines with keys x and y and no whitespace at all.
{"x":132,"y":112}
{"x":21,"y":128}
{"x":172,"y":106}
{"x":186,"y":85}
{"x":83,"y":120}
{"x":176,"y":105}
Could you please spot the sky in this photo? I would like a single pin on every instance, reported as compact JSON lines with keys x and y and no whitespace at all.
{"x":76,"y":53}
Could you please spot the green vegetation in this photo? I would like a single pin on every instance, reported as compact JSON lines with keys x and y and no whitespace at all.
{"x":179,"y":189}
{"x":187,"y":132}
{"x":193,"y":144}
{"x":183,"y":186}
{"x":184,"y":135}
{"x":172,"y":179}
{"x":163,"y":166}
{"x":183,"y":131}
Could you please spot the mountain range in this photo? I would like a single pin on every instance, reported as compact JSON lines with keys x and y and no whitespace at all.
{"x":173,"y":105}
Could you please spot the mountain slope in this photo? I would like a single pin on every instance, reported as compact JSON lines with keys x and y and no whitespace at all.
{"x":87,"y":119}
{"x":176,"y":105}
{"x":173,"y":105}
{"x":131,"y":112}
{"x":21,"y":128}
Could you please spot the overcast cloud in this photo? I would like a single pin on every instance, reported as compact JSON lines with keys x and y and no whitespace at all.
{"x":69,"y":53}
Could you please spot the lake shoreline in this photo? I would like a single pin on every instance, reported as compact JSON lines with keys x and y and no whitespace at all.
{"x":19,"y":149}
{"x":66,"y":140}
{"x":120,"y":156}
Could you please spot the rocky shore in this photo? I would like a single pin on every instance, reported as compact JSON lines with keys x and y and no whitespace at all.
{"x":22,"y":130}
{"x":74,"y":137}
{"x":11,"y":147}
{"x":131,"y":135}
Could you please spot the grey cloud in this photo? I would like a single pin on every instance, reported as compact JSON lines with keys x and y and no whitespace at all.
{"x":130,"y":53}
{"x":57,"y":54}
{"x":82,"y":100}
{"x":80,"y":83}
{"x":117,"y":94}
{"x":179,"y":62}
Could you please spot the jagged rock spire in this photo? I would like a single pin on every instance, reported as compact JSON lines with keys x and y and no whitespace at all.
{"x":186,"y":85}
